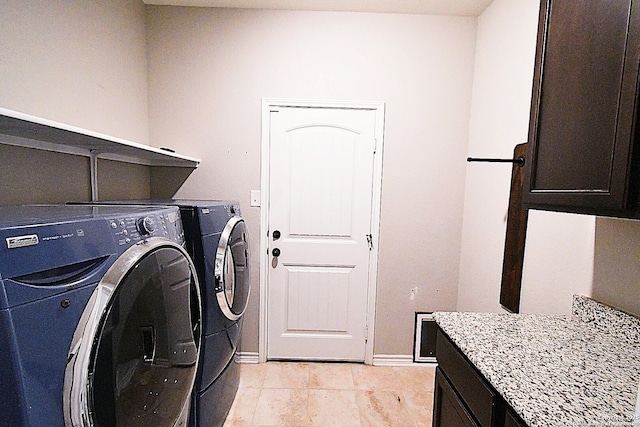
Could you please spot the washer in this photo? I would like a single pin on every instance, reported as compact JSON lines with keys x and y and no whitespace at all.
{"x":217,"y":240}
{"x":99,"y":316}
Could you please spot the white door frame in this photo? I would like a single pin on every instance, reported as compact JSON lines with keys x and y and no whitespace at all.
{"x":267,"y":105}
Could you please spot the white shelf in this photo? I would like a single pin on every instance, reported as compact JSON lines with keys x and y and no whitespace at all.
{"x":29,"y":131}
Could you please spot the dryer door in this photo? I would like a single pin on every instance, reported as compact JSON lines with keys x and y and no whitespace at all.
{"x":134,"y":354}
{"x":232,"y":269}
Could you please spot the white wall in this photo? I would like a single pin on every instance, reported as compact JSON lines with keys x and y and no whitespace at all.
{"x":559,"y":250}
{"x":210,"y":68}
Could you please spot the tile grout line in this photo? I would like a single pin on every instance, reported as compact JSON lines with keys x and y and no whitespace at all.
{"x":353,"y":381}
{"x":307,"y":416}
{"x":326,"y":383}
{"x":255,"y":407}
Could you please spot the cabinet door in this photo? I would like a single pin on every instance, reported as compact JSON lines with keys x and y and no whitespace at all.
{"x":512,"y":420}
{"x":479,"y":397}
{"x":582,"y":126}
{"x":448,"y":409}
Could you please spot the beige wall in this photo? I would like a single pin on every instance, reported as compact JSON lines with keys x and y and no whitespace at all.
{"x":616,"y":278}
{"x":210,"y":68}
{"x":80,"y":63}
{"x":565,"y":254}
{"x":76,"y":62}
{"x":559,"y":250}
{"x":85,"y":64}
{"x":35,"y":176}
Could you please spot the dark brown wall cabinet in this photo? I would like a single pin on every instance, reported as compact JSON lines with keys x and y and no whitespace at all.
{"x":583,"y":151}
{"x":462,"y":397}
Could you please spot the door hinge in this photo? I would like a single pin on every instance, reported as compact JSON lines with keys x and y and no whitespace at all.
{"x":370,"y":241}
{"x":366,"y":333}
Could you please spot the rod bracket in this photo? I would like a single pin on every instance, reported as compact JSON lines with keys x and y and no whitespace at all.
{"x":519,"y":161}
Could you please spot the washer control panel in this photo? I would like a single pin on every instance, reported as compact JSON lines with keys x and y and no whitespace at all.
{"x":131,"y":230}
{"x":146,"y":225}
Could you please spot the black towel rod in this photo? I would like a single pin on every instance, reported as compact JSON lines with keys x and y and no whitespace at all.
{"x":518,"y":160}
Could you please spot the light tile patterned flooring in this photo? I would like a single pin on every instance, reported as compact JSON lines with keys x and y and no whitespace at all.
{"x":332,"y":394}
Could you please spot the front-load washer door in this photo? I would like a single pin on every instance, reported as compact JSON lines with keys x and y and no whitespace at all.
{"x":134,"y":354}
{"x":232,"y":271}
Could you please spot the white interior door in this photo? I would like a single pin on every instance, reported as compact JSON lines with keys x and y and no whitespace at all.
{"x":321,"y":167}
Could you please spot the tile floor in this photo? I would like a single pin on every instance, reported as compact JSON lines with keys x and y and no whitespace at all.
{"x":332,"y":394}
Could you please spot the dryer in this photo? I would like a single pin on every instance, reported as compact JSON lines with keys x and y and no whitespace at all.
{"x":99,"y":316}
{"x":217,"y":239}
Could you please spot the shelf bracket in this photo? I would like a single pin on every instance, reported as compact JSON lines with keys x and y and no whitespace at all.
{"x":517,"y":217}
{"x":93,"y":165}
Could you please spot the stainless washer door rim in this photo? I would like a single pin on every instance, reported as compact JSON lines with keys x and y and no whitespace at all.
{"x":224,"y":257}
{"x":76,"y":392}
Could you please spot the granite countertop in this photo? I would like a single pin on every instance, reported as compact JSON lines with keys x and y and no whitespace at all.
{"x":579,"y":370}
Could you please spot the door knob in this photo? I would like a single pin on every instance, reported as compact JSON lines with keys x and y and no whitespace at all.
{"x":275,"y":252}
{"x":276,"y":234}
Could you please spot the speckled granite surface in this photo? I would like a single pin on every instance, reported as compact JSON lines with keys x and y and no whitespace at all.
{"x":580,"y":370}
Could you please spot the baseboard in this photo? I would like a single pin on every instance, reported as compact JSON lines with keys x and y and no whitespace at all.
{"x":247,"y":357}
{"x":378,"y":359}
{"x":394,"y":360}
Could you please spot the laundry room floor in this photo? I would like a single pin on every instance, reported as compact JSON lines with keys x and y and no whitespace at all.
{"x":332,"y":394}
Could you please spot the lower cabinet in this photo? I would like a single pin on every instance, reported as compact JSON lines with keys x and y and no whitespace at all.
{"x":448,"y":409}
{"x":462,"y":397}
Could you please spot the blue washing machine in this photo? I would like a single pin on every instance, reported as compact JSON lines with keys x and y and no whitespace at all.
{"x":99,"y":316}
{"x":217,"y":240}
